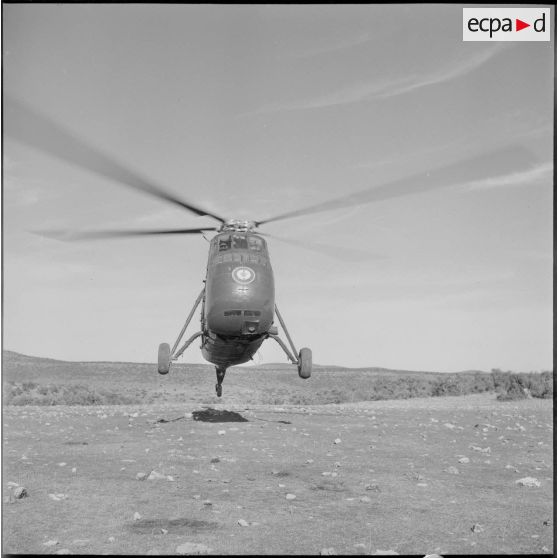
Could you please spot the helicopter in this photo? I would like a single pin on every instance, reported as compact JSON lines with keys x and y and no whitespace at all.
{"x":238,"y":307}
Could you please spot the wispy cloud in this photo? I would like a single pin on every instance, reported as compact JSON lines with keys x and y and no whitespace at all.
{"x":523,"y":178}
{"x":388,"y":86}
{"x":342,"y":44}
{"x":451,"y":71}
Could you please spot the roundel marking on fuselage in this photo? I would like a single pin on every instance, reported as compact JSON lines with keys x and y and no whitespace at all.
{"x":243,"y":275}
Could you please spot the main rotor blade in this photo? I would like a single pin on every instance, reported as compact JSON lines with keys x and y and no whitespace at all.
{"x":488,"y":165}
{"x":26,"y":125}
{"x":345,"y":253}
{"x":96,"y":235}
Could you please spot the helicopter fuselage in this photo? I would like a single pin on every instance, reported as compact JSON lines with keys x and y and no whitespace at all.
{"x":239,"y":300}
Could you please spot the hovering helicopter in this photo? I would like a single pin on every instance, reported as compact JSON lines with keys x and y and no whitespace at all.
{"x":238,"y":297}
{"x":238,"y":305}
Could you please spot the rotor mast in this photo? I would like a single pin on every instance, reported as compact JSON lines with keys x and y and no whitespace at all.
{"x":238,"y":225}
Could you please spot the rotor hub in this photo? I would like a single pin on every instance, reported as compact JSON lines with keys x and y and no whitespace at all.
{"x":238,"y":225}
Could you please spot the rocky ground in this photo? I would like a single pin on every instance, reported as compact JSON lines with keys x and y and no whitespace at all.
{"x":459,"y":475}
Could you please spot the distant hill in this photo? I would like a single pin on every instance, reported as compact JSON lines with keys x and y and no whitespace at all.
{"x":39,"y":380}
{"x":14,"y":358}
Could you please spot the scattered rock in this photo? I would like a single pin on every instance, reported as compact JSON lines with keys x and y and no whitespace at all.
{"x":51,"y":543}
{"x":452,"y":471}
{"x":530,"y":482}
{"x":464,"y":460}
{"x":155,"y":475}
{"x":290,"y":496}
{"x":243,"y":523}
{"x":328,"y":552}
{"x":58,"y":497}
{"x":192,"y":548}
{"x":63,"y":551}
{"x":164,"y":531}
{"x":337,"y":441}
{"x":481,"y":450}
{"x":137,"y":516}
{"x":476,"y":528}
{"x":141,"y":476}
{"x":222,"y":432}
{"x":62,"y":464}
{"x":365,"y":499}
{"x":111,"y":539}
{"x":20,"y":492}
{"x":215,"y":460}
{"x":373,"y":487}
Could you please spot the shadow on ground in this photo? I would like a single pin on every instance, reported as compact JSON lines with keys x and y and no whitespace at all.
{"x":215,"y":415}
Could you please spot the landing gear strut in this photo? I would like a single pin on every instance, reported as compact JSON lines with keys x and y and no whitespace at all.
{"x":304,"y":360}
{"x":166,"y":354}
{"x":220,"y":377}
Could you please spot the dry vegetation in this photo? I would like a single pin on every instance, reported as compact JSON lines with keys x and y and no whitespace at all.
{"x":37,"y":381}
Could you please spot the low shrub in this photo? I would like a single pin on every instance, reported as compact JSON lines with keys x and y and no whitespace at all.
{"x":30,"y":393}
{"x":513,"y":387}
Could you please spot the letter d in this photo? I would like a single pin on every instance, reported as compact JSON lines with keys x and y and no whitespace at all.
{"x":536,"y":24}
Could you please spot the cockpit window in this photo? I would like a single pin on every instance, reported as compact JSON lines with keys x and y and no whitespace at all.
{"x":224,"y":243}
{"x":255,"y":243}
{"x":239,"y":242}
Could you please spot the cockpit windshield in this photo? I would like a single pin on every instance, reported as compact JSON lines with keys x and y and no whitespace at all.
{"x":239,"y":242}
{"x":255,"y":243}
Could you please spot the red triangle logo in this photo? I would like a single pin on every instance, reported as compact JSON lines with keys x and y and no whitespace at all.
{"x":519,"y":25}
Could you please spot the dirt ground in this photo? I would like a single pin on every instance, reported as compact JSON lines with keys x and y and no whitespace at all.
{"x":415,"y":476}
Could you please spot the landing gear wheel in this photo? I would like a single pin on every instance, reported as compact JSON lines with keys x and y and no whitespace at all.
{"x":305,"y":363}
{"x":164,"y":360}
{"x":219,"y":390}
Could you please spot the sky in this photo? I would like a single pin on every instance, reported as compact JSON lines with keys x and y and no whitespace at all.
{"x":255,"y":111}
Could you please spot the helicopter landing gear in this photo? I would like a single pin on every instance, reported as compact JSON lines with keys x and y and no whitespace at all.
{"x":166,"y":354}
{"x":220,"y":377}
{"x":164,"y":360}
{"x":305,"y":363}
